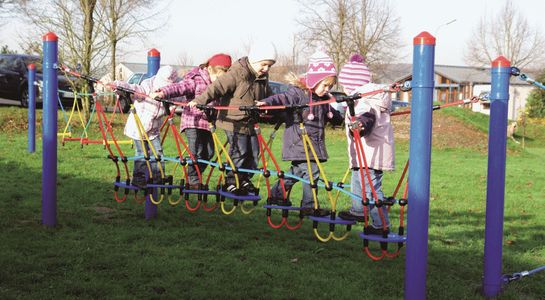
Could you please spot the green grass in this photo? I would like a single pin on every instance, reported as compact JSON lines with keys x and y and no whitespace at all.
{"x":105,"y":249}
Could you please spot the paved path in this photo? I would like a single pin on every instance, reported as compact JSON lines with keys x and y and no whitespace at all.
{"x":6,"y":102}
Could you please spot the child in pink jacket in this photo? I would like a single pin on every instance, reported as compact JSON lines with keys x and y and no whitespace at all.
{"x":194,"y":121}
{"x":377,"y":140}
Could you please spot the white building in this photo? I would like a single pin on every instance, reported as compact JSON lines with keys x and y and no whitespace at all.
{"x":453,"y":83}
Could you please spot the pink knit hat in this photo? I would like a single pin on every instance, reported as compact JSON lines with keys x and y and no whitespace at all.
{"x":354,"y":73}
{"x":320,"y":66}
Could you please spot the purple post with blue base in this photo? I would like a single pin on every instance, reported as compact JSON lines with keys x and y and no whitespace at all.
{"x":31,"y":108}
{"x":495,"y":186}
{"x":419,"y":170}
{"x":49,"y":132}
{"x":154,"y":61}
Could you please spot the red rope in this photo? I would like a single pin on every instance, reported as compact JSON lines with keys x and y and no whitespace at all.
{"x":373,"y":257}
{"x":294,"y":227}
{"x":275,"y":226}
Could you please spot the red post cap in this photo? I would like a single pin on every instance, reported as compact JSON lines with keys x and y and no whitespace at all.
{"x":501,"y":61}
{"x":154,"y":52}
{"x":424,"y":38}
{"x":50,"y":37}
{"x":31,"y":66}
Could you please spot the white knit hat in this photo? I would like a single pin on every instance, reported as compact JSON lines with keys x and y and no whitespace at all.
{"x":166,"y":75}
{"x":354,"y":74}
{"x":262,"y":51}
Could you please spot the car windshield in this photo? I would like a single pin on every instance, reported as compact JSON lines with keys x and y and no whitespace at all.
{"x":19,"y":63}
{"x":136,"y":78}
{"x":36,"y":61}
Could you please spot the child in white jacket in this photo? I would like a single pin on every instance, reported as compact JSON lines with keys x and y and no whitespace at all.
{"x":150,"y":112}
{"x":377,"y":139}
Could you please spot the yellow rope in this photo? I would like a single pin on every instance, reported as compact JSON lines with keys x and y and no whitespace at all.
{"x":322,"y":174}
{"x":322,"y":239}
{"x":231,"y":164}
{"x":246,"y":211}
{"x":227,"y":212}
{"x":343,"y":181}
{"x":144,"y":138}
{"x":309,"y":169}
{"x":340,"y":238}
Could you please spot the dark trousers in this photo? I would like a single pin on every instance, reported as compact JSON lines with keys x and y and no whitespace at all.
{"x":299,"y":169}
{"x":244,"y":151}
{"x":141,"y":171}
{"x":201,"y":145}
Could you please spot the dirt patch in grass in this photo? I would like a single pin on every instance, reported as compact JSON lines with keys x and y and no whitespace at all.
{"x":447,"y":132}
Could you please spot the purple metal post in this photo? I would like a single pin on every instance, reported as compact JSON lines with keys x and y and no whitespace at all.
{"x":154,"y":62}
{"x":49,"y":131}
{"x":31,"y":108}
{"x":419,"y":170}
{"x":495,"y":187}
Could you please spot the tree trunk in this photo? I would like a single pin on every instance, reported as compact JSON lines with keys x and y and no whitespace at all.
{"x":88,"y":8}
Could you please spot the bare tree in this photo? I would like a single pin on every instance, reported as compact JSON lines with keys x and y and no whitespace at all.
{"x":122,"y":20}
{"x":288,"y":62}
{"x":74,"y":22}
{"x":342,"y":27}
{"x":184,"y":59}
{"x":8,"y":9}
{"x":508,"y":34}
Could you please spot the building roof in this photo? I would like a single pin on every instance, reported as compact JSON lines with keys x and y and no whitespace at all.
{"x":143,"y":67}
{"x":458,"y":74}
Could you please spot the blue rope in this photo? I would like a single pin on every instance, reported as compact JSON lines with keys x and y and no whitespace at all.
{"x":273,"y":172}
{"x":524,"y":77}
{"x":289,"y":175}
{"x":519,"y":275}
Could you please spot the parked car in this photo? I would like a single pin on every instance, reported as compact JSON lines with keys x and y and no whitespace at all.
{"x":137,"y":78}
{"x":14,"y":79}
{"x":278,"y":87}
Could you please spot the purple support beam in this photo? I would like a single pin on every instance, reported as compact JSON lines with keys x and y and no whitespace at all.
{"x":154,"y":62}
{"x":31,"y":108}
{"x":495,"y":187}
{"x":49,"y":131}
{"x":419,"y":170}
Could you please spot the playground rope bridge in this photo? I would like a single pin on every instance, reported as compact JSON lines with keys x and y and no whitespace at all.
{"x":156,"y":190}
{"x":415,"y":192}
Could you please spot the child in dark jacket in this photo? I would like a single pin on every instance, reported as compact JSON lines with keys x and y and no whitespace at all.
{"x":246,"y":81}
{"x":194,"y":121}
{"x":320,"y":77}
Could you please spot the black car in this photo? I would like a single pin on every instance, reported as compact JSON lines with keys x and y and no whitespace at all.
{"x":14,"y":79}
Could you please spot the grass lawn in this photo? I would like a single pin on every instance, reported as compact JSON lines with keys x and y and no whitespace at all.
{"x":105,"y":249}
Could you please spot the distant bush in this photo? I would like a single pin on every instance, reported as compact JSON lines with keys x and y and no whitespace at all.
{"x":536,"y":100}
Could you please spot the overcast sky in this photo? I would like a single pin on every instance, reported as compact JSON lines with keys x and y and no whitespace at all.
{"x":201,"y":28}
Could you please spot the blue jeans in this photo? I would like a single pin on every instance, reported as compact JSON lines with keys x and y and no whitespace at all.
{"x":244,"y":151}
{"x":357,"y":206}
{"x":201,"y":145}
{"x":140,"y":172}
{"x":299,"y":169}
